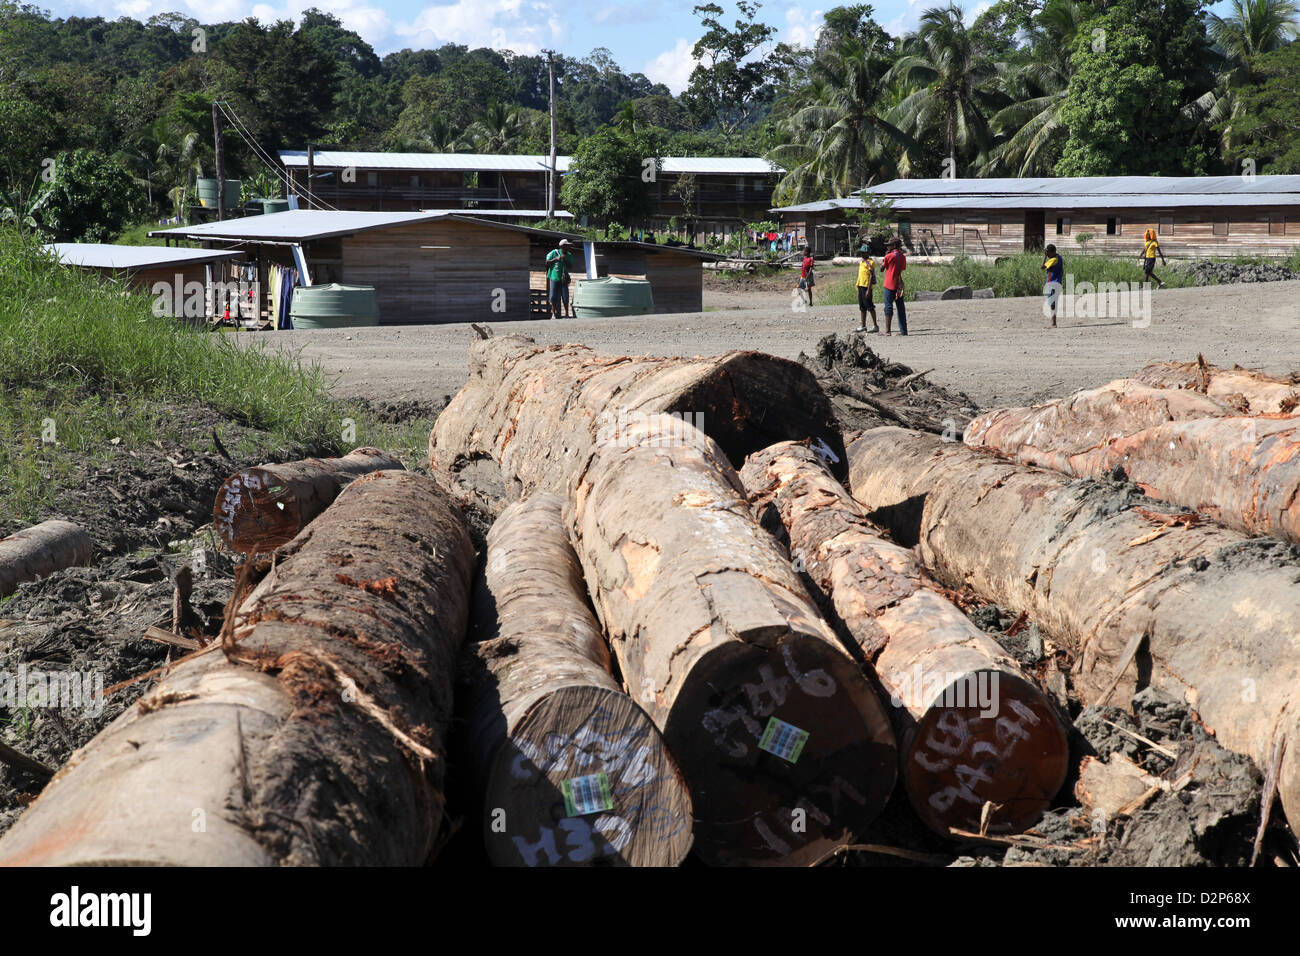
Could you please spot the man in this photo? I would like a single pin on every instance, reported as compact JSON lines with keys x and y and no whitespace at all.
{"x":866,"y":286}
{"x":1054,"y":264}
{"x":895,"y":262}
{"x":1151,"y":249}
{"x":808,"y":273}
{"x":558,"y":263}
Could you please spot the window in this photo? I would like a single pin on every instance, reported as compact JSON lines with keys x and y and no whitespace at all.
{"x":1165,"y":227}
{"x":1062,"y":225}
{"x":995,"y":228}
{"x":740,"y":186}
{"x":1220,"y":225}
{"x":949,"y":226}
{"x":904,"y":227}
{"x":1276,"y":226}
{"x":1112,"y":226}
{"x":372,"y":179}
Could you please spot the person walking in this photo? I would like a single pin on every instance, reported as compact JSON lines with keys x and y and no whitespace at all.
{"x":559,"y":262}
{"x":1054,"y":263}
{"x":1151,"y":249}
{"x":808,"y":274}
{"x":866,"y":287}
{"x":895,"y":262}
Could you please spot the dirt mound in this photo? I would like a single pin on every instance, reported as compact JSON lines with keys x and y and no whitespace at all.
{"x":400,"y":412}
{"x":868,"y":390}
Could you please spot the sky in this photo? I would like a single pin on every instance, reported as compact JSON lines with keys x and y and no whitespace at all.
{"x":654,"y":38}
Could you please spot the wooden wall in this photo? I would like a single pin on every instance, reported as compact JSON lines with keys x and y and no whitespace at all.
{"x":676,"y":279}
{"x":455,"y":279}
{"x":144,"y":279}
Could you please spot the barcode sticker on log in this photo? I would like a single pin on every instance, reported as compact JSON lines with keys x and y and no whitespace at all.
{"x":784,"y":740}
{"x":590,"y":794}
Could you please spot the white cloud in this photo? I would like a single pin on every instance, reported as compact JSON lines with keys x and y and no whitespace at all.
{"x":673,"y":67}
{"x":801,"y":27}
{"x":500,"y":24}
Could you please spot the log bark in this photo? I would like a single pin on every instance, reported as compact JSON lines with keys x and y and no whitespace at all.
{"x":542,"y":710}
{"x":1242,"y":471}
{"x":260,"y":508}
{"x":313,"y":735}
{"x":1048,"y":434}
{"x":1211,"y":614}
{"x":1247,"y":391}
{"x":977,"y":729}
{"x":785,"y":746}
{"x":536,"y":410}
{"x":40,"y":550}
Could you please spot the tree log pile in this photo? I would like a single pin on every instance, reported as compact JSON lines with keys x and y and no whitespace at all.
{"x":1246,"y":390}
{"x":1141,"y":594}
{"x":40,"y":550}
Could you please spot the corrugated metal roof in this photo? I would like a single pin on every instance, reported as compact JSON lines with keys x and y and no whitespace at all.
{"x":1092,"y":185}
{"x":96,"y":255}
{"x":296,"y":225}
{"x":501,"y":213}
{"x":510,"y":162}
{"x":822,"y":205}
{"x":1062,"y":201}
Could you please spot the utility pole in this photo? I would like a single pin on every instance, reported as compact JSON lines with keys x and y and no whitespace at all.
{"x":221,"y":161}
{"x":551,"y":172}
{"x":311,"y":171}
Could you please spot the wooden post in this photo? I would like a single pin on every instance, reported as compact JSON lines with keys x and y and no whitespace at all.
{"x":551,"y":172}
{"x":220,"y":150}
{"x":311,"y":169}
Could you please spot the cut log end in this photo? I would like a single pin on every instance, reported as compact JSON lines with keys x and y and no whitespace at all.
{"x":788,"y":751}
{"x":989,"y":738}
{"x":583,"y":780}
{"x":256,"y":512}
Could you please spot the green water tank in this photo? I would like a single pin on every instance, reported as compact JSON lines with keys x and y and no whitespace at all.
{"x":275,"y":205}
{"x":333,"y":306}
{"x":207,"y":192}
{"x":611,"y":296}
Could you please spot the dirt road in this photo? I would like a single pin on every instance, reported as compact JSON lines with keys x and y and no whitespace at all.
{"x":996,"y":350}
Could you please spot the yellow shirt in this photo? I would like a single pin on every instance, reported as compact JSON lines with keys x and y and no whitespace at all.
{"x":1152,"y":248}
{"x":866,"y":273}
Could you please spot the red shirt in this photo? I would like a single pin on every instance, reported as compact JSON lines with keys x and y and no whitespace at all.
{"x":895,"y":262}
{"x":807,"y":267}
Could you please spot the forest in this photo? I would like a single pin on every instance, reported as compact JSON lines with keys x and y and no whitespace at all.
{"x":105,"y":123}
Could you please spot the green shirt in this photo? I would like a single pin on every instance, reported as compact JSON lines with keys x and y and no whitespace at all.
{"x":558,"y":265}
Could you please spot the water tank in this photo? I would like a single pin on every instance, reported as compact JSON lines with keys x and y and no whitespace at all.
{"x":207,"y":193}
{"x":275,"y":205}
{"x":333,"y":306}
{"x":611,"y":296}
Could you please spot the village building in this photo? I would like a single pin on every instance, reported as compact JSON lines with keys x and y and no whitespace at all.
{"x":173,"y":275}
{"x":729,"y":192}
{"x":439,"y":267}
{"x":1193,"y":216}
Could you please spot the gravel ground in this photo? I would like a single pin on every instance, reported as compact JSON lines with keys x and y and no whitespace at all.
{"x":996,"y":351}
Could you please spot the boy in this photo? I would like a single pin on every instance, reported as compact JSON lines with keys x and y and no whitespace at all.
{"x":1151,"y":249}
{"x":558,"y":264}
{"x":866,"y":285}
{"x":895,"y":262}
{"x":1055,"y":266}
{"x":807,"y":275}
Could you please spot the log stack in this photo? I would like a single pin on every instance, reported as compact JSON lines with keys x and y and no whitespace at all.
{"x":571,"y":770}
{"x":787,"y":750}
{"x":1246,"y":390}
{"x":1142,"y":594}
{"x":981,"y":748}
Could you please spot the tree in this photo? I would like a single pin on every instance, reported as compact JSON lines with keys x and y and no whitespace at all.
{"x":89,"y":199}
{"x":728,"y":85}
{"x":1268,"y":130}
{"x":607,"y":178}
{"x":954,"y":81}
{"x":837,"y":140}
{"x":1253,"y":27}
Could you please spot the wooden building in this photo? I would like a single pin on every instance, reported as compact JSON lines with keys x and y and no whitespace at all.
{"x":1193,"y":216}
{"x":438,"y":267}
{"x":182,"y":271}
{"x":729,"y":191}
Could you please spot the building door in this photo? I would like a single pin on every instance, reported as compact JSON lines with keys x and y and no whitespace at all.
{"x":1034,"y":225}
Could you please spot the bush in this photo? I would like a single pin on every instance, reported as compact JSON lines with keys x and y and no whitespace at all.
{"x":90,"y":199}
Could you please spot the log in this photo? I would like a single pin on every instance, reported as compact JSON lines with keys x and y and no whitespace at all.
{"x":543,"y":713}
{"x":313,"y":734}
{"x":536,"y":410}
{"x":1242,"y":471}
{"x":786,"y":748}
{"x":1048,"y":434}
{"x":1096,"y":566}
{"x":977,"y":729}
{"x":1247,"y":391}
{"x":40,"y":550}
{"x":260,"y":508}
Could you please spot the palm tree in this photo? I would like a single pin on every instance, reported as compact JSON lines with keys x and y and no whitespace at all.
{"x":836,"y":139}
{"x":954,"y":82}
{"x":440,"y":137}
{"x":1252,"y":28}
{"x":1038,"y":82}
{"x":498,"y":131}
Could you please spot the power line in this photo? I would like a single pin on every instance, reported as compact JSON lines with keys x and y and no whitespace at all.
{"x":261,"y":154}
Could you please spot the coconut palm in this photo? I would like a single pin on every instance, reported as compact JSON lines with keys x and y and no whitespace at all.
{"x":953,"y":84}
{"x":836,"y":138}
{"x":439,"y":137}
{"x":498,"y":131}
{"x":1038,"y":83}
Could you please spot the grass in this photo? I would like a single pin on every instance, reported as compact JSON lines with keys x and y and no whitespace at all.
{"x":84,"y":362}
